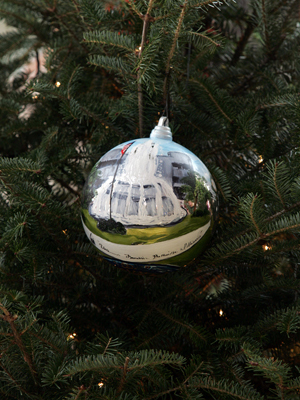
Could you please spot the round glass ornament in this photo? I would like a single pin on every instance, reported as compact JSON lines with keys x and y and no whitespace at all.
{"x":150,"y":204}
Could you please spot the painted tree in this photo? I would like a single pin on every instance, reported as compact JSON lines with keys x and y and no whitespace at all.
{"x":196,"y":191}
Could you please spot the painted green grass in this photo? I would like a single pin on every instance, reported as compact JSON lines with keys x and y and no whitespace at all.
{"x":154,"y":235}
{"x":148,"y":235}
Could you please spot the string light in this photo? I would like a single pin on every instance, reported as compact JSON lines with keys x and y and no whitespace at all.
{"x":72,"y":336}
{"x":100,"y":384}
{"x":221,"y":312}
{"x":137,"y":50}
{"x":57,"y":84}
{"x":260,"y":159}
{"x":266,"y":247}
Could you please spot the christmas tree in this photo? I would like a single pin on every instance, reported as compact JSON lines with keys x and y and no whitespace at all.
{"x":78,"y":77}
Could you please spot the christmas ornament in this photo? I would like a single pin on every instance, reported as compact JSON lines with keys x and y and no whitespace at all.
{"x":150,"y":204}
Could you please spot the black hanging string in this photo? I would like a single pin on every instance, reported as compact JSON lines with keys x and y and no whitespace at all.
{"x":167,"y":97}
{"x":37,"y":63}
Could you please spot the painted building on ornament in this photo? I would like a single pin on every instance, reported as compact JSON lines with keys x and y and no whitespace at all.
{"x":141,"y":186}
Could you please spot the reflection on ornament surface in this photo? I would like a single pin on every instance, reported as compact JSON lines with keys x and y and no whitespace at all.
{"x":149,"y":204}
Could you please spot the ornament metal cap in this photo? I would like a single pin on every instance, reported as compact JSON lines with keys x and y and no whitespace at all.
{"x":162,"y":130}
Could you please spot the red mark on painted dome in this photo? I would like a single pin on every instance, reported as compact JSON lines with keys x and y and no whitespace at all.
{"x":123,"y":151}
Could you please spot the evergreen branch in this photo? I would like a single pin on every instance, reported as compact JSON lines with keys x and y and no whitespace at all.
{"x":122,"y":381}
{"x":8,"y":317}
{"x":62,"y":21}
{"x":193,"y":373}
{"x":46,"y":341}
{"x":162,"y":17}
{"x":16,"y":16}
{"x":148,"y":65}
{"x":146,"y":21}
{"x":15,"y":381}
{"x":265,"y":25}
{"x":48,"y":230}
{"x":213,"y":99}
{"x":80,"y":390}
{"x":276,"y":185}
{"x":233,"y":246}
{"x":96,"y":117}
{"x":241,"y":248}
{"x":16,"y":43}
{"x":285,"y":224}
{"x":151,"y":307}
{"x":242,"y":43}
{"x":110,"y":364}
{"x":205,"y":37}
{"x":184,"y":325}
{"x":113,"y":39}
{"x":252,"y":216}
{"x":164,"y":393}
{"x":224,"y":387}
{"x":204,"y":4}
{"x":70,"y":80}
{"x":111,"y":64}
{"x":175,"y":389}
{"x":272,"y":217}
{"x":67,"y":186}
{"x":108,"y":343}
{"x":198,"y":129}
{"x":285,"y":210}
{"x":94,"y":274}
{"x":69,"y":47}
{"x":6,"y":334}
{"x":222,"y":182}
{"x":15,"y":226}
{"x":131,"y":4}
{"x":275,"y":228}
{"x":148,"y":340}
{"x":20,"y":164}
{"x":210,"y":283}
{"x":28,"y":326}
{"x":270,"y":57}
{"x":76,"y":5}
{"x":272,"y":369}
{"x":172,"y":50}
{"x":294,"y":384}
{"x":265,"y":106}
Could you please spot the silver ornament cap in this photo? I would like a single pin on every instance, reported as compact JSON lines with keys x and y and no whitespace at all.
{"x":162,"y":130}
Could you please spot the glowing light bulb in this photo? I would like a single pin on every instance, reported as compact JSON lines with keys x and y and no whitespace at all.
{"x":57,"y":84}
{"x":100,"y":384}
{"x":221,"y":312}
{"x":260,"y":159}
{"x":72,"y":336}
{"x":266,"y":247}
{"x":137,"y":50}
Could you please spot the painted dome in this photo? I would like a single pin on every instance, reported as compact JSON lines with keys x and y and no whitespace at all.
{"x":140,"y":193}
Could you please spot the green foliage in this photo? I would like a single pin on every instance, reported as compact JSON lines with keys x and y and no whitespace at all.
{"x":73,"y":326}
